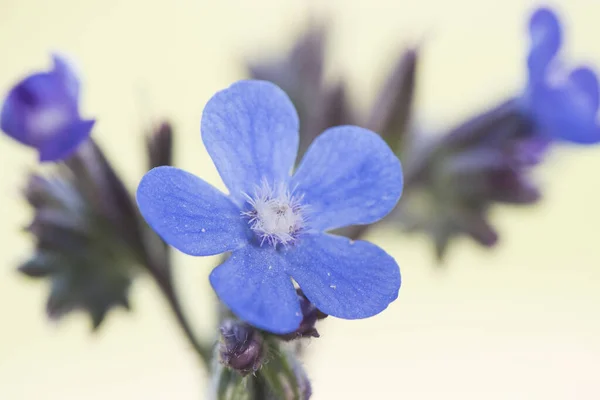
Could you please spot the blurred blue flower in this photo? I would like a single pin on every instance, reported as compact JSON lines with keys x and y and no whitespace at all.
{"x":273,"y":223}
{"x":42,"y":111}
{"x":563,"y":103}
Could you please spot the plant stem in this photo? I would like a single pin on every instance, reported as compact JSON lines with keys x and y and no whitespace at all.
{"x":165,"y":283}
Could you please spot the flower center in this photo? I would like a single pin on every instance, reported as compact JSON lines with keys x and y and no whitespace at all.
{"x":47,"y":121}
{"x":276,"y":216}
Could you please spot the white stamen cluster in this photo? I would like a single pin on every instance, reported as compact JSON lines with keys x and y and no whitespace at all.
{"x":276,"y":215}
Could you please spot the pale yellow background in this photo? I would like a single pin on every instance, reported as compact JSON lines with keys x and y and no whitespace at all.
{"x":521,"y":322}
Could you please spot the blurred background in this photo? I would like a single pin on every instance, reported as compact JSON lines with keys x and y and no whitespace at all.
{"x":518,"y":322}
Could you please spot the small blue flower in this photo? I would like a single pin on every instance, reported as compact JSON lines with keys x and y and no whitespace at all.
{"x":562,"y":103}
{"x":42,"y":111}
{"x":274,"y":223}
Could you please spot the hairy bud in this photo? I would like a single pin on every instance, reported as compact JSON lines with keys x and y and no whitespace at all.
{"x":240,"y":347}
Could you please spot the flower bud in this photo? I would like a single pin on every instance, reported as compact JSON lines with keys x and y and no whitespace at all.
{"x":241,"y":347}
{"x":310,"y":315}
{"x":160,"y":145}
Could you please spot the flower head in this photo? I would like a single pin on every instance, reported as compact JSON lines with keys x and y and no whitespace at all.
{"x":274,"y":223}
{"x":91,"y":239}
{"x":563,"y":103}
{"x":455,"y":180}
{"x":42,"y":111}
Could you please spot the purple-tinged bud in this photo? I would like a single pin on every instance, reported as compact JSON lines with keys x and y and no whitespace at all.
{"x":159,"y":143}
{"x":240,"y":347}
{"x":310,"y":316}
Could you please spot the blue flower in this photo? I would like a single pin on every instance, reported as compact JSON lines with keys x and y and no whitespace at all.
{"x":563,"y":103}
{"x":274,"y":223}
{"x":42,"y":111}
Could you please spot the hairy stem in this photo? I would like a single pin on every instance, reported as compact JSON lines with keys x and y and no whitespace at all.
{"x":165,"y":283}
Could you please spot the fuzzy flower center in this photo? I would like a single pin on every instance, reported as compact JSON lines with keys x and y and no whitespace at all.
{"x":276,"y":215}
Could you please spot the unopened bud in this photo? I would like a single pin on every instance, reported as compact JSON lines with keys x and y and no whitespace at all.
{"x":310,"y":315}
{"x":160,"y":145}
{"x":241,"y":347}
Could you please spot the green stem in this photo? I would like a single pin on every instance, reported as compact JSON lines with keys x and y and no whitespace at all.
{"x":164,"y":280}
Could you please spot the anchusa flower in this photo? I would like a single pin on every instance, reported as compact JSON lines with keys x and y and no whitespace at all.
{"x":91,"y":240}
{"x":562,"y":103}
{"x":42,"y":111}
{"x":274,"y":223}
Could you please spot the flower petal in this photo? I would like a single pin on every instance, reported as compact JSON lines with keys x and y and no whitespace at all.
{"x":585,"y":82}
{"x":545,"y":34}
{"x":189,"y":214}
{"x":13,"y":118}
{"x":251,"y":133}
{"x":254,"y":284}
{"x":344,"y":278}
{"x":67,"y":74}
{"x":564,"y":113}
{"x":349,"y":176}
{"x":64,"y":142}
